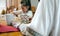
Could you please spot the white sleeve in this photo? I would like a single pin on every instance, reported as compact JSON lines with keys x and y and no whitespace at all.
{"x":23,"y":28}
{"x":30,"y":14}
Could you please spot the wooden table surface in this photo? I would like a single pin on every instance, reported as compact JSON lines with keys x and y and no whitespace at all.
{"x":11,"y":34}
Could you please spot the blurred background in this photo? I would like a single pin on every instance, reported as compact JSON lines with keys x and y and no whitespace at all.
{"x":4,"y":4}
{"x":14,"y":13}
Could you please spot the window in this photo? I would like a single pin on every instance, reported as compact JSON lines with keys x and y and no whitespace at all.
{"x":2,"y":5}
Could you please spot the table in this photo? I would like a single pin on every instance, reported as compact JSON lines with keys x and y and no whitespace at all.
{"x":11,"y":34}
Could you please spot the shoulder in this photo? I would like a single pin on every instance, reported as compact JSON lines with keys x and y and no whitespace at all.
{"x":29,"y":11}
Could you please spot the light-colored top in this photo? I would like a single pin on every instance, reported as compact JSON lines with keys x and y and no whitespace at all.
{"x":25,"y":16}
{"x":9,"y":18}
{"x":29,"y":13}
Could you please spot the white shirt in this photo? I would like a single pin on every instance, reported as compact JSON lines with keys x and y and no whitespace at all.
{"x":47,"y":18}
{"x":9,"y":18}
{"x":29,"y":13}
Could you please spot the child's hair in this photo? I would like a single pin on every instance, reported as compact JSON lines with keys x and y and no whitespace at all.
{"x":25,"y":4}
{"x":7,"y":10}
{"x":10,"y":8}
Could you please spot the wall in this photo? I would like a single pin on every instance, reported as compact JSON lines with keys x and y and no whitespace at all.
{"x":2,"y":5}
{"x":15,"y":3}
{"x":34,"y":3}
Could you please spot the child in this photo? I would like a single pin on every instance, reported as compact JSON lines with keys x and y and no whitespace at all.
{"x":26,"y":14}
{"x":9,"y":15}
